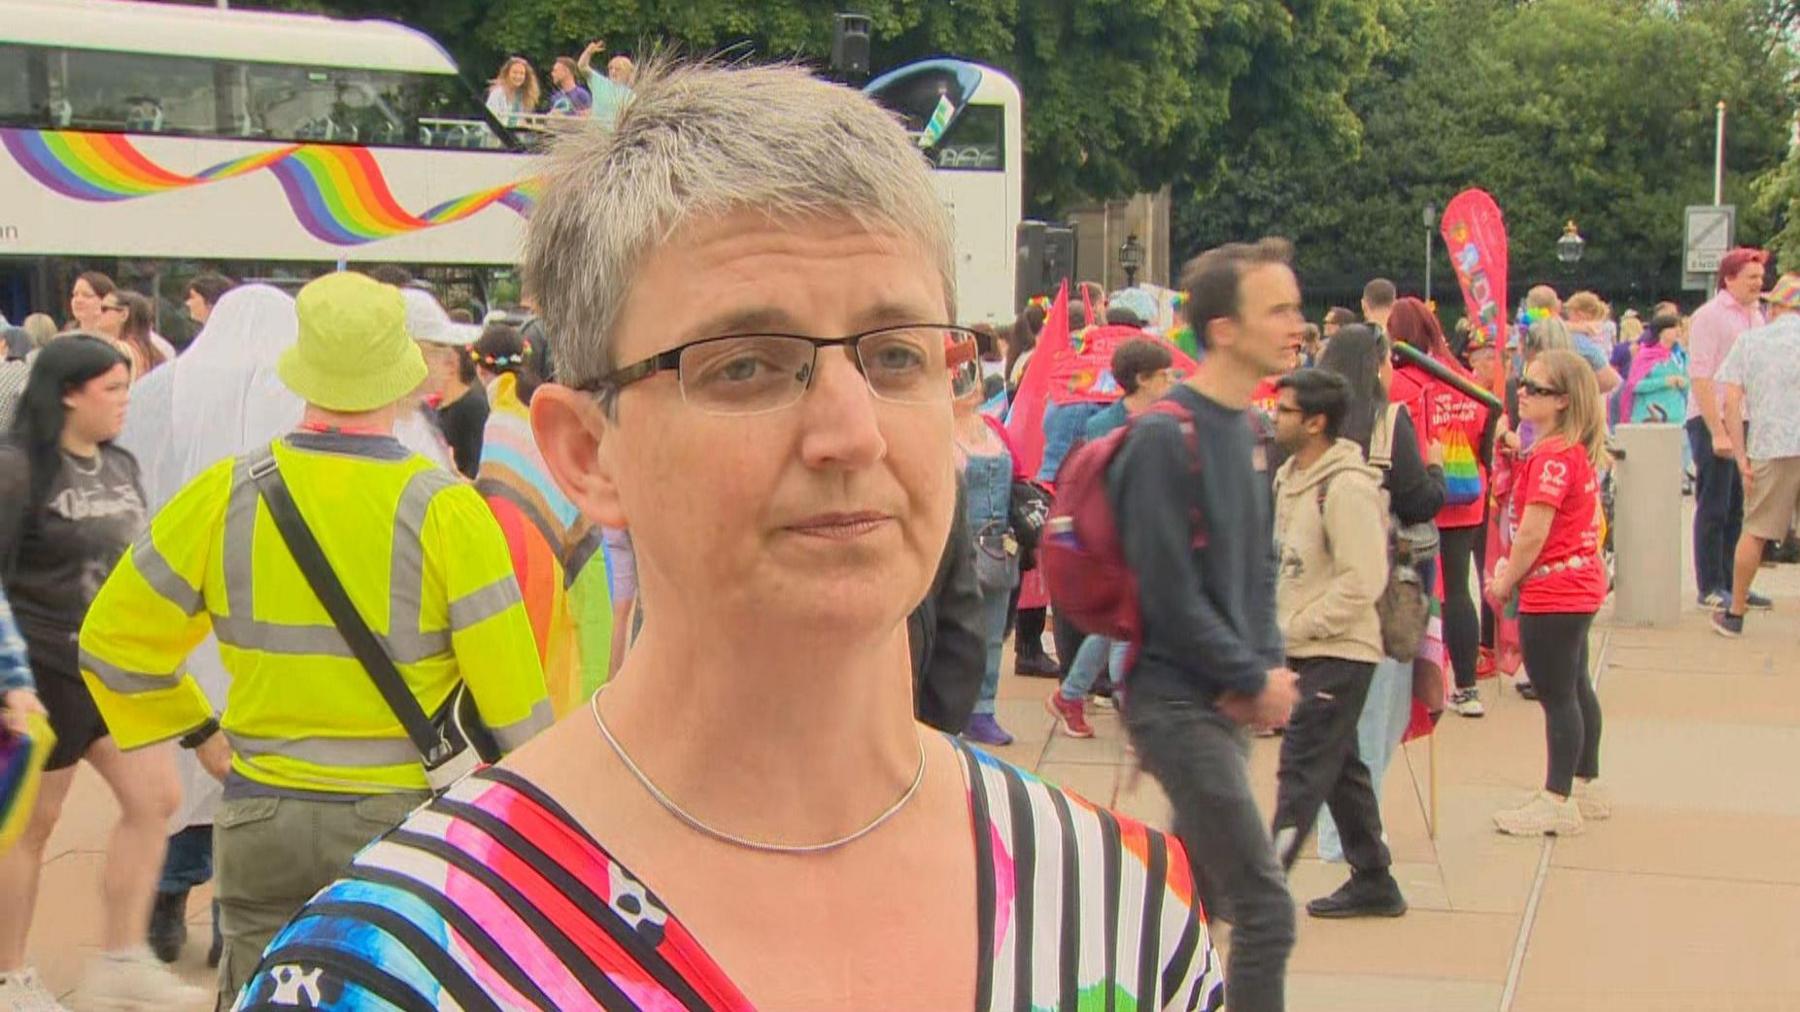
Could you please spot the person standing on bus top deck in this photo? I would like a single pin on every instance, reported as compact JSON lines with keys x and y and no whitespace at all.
{"x":513,"y":93}
{"x":571,"y":99}
{"x":84,"y":300}
{"x":125,"y":318}
{"x":610,"y":92}
{"x":315,"y":763}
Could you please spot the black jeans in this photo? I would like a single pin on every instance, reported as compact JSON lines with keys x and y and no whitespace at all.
{"x":1718,"y":512}
{"x":1067,"y":639}
{"x":1202,"y":760}
{"x":1556,"y":654}
{"x":1030,"y":625}
{"x":1320,"y":765}
{"x":1460,"y":548}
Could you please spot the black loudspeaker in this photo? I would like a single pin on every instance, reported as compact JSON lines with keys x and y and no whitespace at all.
{"x":1028,"y":271}
{"x":1059,"y":259}
{"x":850,"y":46}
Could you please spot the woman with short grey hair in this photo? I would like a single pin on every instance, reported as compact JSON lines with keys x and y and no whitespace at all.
{"x":750,"y":287}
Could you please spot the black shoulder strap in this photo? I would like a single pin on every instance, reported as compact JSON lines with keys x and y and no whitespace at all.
{"x":304,"y":547}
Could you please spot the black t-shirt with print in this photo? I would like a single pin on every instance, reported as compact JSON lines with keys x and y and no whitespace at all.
{"x":55,"y":557}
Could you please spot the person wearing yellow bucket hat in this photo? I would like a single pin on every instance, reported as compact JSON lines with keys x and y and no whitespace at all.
{"x":353,"y":355}
{"x":315,"y":762}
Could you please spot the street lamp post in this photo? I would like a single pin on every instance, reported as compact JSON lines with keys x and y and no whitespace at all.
{"x":1570,"y":247}
{"x":1131,"y":259}
{"x":1430,"y":219}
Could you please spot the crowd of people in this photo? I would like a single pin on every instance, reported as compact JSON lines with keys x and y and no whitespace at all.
{"x":757,"y":521}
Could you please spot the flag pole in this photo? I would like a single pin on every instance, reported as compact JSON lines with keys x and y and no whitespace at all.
{"x":1432,"y":821}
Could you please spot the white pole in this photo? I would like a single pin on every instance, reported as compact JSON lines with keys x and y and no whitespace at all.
{"x":1428,"y":264}
{"x":1719,"y":160}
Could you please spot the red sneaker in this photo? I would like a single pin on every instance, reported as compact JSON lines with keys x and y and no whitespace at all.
{"x":1484,"y":664}
{"x":1069,"y":715}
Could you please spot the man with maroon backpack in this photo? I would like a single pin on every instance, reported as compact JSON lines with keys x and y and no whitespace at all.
{"x":1190,"y":500}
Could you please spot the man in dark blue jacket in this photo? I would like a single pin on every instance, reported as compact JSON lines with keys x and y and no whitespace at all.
{"x":1212,"y":660}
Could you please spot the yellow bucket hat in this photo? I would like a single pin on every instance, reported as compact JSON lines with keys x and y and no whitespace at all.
{"x":353,"y":353}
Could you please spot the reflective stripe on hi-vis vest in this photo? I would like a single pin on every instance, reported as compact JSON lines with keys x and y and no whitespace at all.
{"x":420,"y":555}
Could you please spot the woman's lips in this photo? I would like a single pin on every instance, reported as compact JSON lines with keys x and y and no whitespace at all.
{"x":840,"y":526}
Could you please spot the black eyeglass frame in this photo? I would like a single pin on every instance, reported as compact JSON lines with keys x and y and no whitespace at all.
{"x":613,"y":383}
{"x":1532,"y":389}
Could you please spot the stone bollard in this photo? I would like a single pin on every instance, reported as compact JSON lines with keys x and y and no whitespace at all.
{"x":1647,"y":533}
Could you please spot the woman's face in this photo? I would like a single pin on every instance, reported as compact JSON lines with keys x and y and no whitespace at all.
{"x":516,"y":73}
{"x":96,"y":409}
{"x":84,"y":305}
{"x":829,"y":513}
{"x":1540,"y":401}
{"x":111,"y":320}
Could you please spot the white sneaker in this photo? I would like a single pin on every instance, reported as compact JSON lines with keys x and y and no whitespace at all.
{"x":1592,"y":799}
{"x":135,"y":982}
{"x":1544,"y":815}
{"x":1467,"y":703}
{"x":24,"y":992}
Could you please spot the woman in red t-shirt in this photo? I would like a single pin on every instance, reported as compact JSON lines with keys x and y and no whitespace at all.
{"x":1445,"y":416}
{"x":1555,"y":566}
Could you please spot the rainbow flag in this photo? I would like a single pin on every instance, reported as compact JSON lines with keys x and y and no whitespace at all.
{"x":557,"y":555}
{"x":1462,"y":471}
{"x":21,"y":771}
{"x":939,"y":122}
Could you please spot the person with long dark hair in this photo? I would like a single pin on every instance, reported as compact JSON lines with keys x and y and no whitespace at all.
{"x":1462,"y":424}
{"x":1414,"y":482}
{"x":126,"y":319}
{"x":70,"y":505}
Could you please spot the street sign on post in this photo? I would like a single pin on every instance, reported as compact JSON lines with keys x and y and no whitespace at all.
{"x":1711,"y":230}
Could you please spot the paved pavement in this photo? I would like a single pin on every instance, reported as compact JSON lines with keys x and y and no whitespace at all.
{"x":1688,"y":898}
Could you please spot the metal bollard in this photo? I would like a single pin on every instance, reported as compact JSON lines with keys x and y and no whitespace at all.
{"x":1647,"y":533}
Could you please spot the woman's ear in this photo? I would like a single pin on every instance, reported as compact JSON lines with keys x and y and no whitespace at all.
{"x":572,"y":433}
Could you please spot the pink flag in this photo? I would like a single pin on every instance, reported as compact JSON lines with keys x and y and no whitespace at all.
{"x":1025,"y":423}
{"x":1475,"y":235}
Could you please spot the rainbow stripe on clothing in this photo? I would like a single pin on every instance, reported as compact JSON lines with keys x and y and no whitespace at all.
{"x":337,"y":193}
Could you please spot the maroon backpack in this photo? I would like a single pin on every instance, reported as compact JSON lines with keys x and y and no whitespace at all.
{"x":1080,"y":552}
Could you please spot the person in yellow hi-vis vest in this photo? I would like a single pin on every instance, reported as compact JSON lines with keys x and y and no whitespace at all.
{"x":315,"y":761}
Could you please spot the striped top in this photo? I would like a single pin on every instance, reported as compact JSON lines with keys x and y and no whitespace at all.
{"x":492,"y":897}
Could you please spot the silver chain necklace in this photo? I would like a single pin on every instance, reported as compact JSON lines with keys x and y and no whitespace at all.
{"x":695,"y":824}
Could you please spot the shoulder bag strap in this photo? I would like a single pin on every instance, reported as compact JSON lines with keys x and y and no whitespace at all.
{"x":304,"y":547}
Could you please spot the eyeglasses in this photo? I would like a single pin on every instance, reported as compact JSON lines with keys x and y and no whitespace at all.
{"x":748,"y":374}
{"x":1538,"y":390}
{"x":107,"y":308}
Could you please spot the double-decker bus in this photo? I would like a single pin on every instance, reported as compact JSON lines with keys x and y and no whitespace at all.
{"x":149,"y":140}
{"x":969,"y":121}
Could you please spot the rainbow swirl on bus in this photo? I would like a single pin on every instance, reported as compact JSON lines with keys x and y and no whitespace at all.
{"x":337,"y":193}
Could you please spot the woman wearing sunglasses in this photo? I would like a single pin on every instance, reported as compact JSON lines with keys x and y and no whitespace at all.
{"x":125,"y":320}
{"x":1555,"y":567}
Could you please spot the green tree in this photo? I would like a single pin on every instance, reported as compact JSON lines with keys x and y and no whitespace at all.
{"x":1599,"y":111}
{"x":1120,"y":95}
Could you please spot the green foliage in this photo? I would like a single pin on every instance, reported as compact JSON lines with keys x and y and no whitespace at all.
{"x":1600,"y":111}
{"x":1120,"y":95}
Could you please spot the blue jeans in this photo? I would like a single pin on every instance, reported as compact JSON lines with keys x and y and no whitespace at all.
{"x":996,"y":609}
{"x":1385,"y":715}
{"x":1084,"y":671}
{"x":189,"y":861}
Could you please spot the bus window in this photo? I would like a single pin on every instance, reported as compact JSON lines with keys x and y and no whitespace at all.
{"x":20,"y":102}
{"x":327,"y":104}
{"x":975,"y":140}
{"x":132,"y":91}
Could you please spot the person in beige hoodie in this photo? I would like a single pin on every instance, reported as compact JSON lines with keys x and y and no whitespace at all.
{"x":1331,"y":563}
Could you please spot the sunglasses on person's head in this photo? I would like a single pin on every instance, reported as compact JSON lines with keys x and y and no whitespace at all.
{"x":1538,"y":389}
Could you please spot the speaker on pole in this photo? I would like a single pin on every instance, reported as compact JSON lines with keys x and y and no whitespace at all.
{"x":850,"y":46}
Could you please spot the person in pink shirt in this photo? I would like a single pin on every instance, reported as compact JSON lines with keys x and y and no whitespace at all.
{"x":1718,"y":490}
